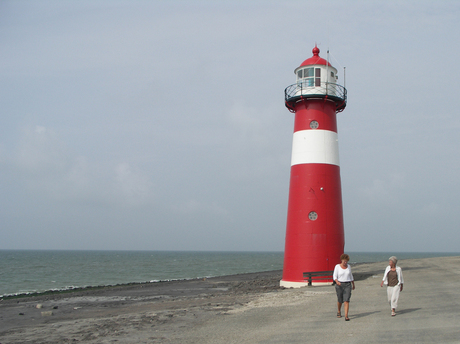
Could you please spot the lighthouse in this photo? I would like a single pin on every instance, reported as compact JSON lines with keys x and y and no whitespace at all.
{"x":314,"y":227}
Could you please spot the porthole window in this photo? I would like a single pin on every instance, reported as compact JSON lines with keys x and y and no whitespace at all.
{"x":314,"y":125}
{"x":312,"y":215}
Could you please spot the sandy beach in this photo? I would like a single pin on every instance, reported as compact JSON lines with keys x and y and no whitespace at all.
{"x":248,"y":308}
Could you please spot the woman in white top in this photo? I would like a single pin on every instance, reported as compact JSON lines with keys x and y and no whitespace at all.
{"x":394,"y":281}
{"x":344,"y":283}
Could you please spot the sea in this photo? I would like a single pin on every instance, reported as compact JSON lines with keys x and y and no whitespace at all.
{"x":25,"y":272}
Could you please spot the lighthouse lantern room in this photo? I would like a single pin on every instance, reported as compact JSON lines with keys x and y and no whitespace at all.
{"x":314,"y":228}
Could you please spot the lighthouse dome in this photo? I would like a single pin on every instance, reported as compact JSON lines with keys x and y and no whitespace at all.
{"x":318,"y":68}
{"x":315,"y":59}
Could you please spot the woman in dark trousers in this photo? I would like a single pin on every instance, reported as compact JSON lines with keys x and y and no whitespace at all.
{"x":344,"y":284}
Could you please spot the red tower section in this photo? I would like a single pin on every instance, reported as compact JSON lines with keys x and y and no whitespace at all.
{"x":314,"y":230}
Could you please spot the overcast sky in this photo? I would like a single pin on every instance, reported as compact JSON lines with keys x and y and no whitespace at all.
{"x":161,"y":125}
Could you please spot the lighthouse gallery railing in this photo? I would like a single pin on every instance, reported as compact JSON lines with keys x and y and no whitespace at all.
{"x":327,"y":90}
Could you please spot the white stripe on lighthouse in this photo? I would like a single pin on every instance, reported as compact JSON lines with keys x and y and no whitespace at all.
{"x":315,"y":147}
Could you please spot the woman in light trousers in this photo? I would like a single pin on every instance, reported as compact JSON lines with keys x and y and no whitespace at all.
{"x":393,"y":279}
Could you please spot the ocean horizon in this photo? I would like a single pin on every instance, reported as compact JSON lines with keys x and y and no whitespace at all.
{"x":25,"y":272}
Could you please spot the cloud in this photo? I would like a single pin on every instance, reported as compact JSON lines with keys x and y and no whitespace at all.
{"x":194,"y":206}
{"x":41,"y":152}
{"x":384,"y":190}
{"x":49,"y":168}
{"x":132,"y":186}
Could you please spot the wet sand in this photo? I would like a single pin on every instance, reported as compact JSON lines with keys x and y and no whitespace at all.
{"x":247,"y":308}
{"x":137,"y":313}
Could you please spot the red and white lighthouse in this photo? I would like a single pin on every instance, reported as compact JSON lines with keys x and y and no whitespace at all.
{"x":314,"y":229}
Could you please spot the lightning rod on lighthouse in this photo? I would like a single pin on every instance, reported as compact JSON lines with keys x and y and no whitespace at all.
{"x":314,"y":227}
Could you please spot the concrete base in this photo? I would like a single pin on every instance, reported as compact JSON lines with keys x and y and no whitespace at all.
{"x":288,"y":284}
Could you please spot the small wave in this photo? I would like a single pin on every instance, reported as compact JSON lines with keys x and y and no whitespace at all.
{"x":70,"y":288}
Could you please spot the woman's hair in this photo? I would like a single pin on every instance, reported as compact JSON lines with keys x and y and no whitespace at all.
{"x":345,"y":257}
{"x":393,"y":259}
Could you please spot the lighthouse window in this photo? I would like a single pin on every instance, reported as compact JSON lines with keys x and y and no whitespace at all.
{"x":308,"y":75}
{"x":317,"y":77}
{"x":308,"y":72}
{"x":309,"y":82}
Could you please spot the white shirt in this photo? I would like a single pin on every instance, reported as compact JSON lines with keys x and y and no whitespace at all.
{"x":342,"y":275}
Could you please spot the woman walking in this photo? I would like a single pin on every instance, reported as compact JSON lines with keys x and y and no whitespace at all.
{"x":393,"y":279}
{"x":344,"y":284}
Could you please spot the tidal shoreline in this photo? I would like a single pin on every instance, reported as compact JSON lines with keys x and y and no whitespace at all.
{"x":21,"y":311}
{"x":74,"y":290}
{"x":154,"y":284}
